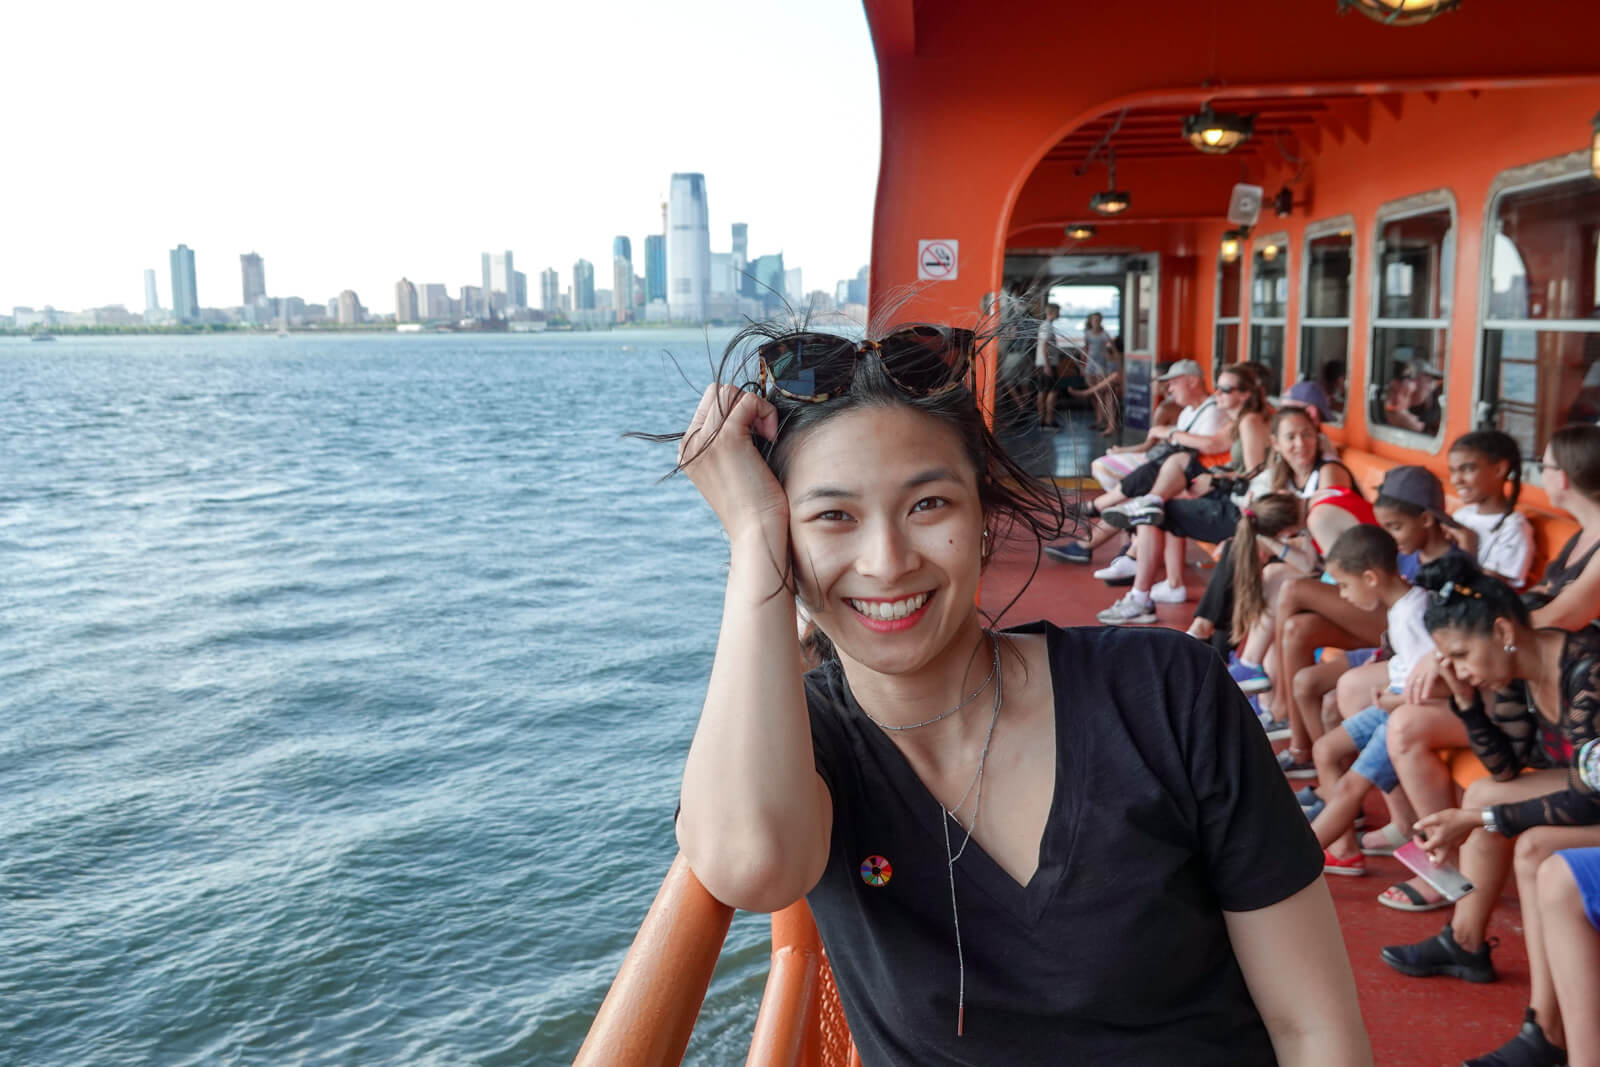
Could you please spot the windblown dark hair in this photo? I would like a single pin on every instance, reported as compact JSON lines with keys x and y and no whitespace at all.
{"x":1009,"y":496}
{"x":1462,"y":597}
{"x":1496,"y":446}
{"x":1364,"y":548}
{"x":1255,"y":393}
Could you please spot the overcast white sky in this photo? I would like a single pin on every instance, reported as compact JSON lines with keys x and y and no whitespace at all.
{"x":353,"y":143}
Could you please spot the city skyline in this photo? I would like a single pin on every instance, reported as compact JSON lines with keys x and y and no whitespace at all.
{"x":309,"y":163}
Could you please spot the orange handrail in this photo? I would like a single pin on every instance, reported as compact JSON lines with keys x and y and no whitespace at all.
{"x":650,"y":1011}
{"x":801,"y":1023}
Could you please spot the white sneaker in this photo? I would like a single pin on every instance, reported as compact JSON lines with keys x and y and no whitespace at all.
{"x":1165,"y":593}
{"x":1130,"y":608}
{"x":1122,"y":568}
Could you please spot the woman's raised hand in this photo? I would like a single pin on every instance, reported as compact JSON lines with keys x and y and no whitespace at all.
{"x":1460,"y":690}
{"x":720,"y":458}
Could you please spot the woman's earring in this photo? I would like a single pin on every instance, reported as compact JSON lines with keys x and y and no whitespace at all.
{"x":1510,"y":649}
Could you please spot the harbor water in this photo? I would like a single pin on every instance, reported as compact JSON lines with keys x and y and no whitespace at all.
{"x":345,"y":684}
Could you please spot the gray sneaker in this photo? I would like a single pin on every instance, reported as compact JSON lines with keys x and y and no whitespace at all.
{"x":1131,"y":608}
{"x":1137,"y":512}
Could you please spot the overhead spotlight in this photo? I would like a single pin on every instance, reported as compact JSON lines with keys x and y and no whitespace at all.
{"x":1217,"y":134}
{"x":1399,"y":12}
{"x":1113,"y":201}
{"x":1080,"y":232}
{"x":1229,"y":249}
{"x":1269,"y":253}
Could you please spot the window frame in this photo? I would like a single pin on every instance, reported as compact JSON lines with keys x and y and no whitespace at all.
{"x":1560,"y":170}
{"x":1334,"y":227}
{"x":1218,"y":319}
{"x":1247,"y":350}
{"x":1427,"y":203}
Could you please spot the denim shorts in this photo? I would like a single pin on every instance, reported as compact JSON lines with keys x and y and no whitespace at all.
{"x":1368,"y":730}
{"x":1585,"y":866}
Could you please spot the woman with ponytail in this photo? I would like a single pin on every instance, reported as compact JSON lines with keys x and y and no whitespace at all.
{"x":1545,"y":706}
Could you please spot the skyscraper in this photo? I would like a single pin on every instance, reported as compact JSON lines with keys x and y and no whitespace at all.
{"x":405,"y":301}
{"x":550,"y":290}
{"x":655,"y":268}
{"x":741,"y":241}
{"x":486,"y":294}
{"x":501,"y":278}
{"x":518,"y":297}
{"x":434,"y":301}
{"x":583,"y":285}
{"x":255,"y":278}
{"x":622,"y":278}
{"x":349,"y":308}
{"x":688,"y":248}
{"x":151,"y":301}
{"x":185,"y":300}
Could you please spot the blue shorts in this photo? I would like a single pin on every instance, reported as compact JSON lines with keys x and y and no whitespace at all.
{"x":1368,"y":731}
{"x":1356,"y":657}
{"x":1585,"y":865}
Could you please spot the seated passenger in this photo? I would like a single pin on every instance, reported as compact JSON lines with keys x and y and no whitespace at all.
{"x":1569,"y":594}
{"x":1491,"y":528}
{"x":1127,"y":471}
{"x":1410,"y":506}
{"x":1534,"y":803}
{"x":1293,"y":465}
{"x":1364,"y":561}
{"x":1211,"y":516}
{"x":1569,"y":922}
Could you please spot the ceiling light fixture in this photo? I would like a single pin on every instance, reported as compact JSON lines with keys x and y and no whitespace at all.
{"x":1113,"y":201}
{"x":1217,"y":134}
{"x":1269,"y":253}
{"x":1229,"y":249}
{"x":1400,"y":12}
{"x":1080,"y":232}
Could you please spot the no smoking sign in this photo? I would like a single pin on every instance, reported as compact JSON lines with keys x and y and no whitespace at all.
{"x":937,"y":261}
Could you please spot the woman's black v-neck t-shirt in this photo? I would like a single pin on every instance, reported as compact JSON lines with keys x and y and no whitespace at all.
{"x":1169,"y":809}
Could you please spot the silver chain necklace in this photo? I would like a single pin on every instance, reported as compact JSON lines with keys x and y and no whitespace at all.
{"x":969,"y":698}
{"x":975,"y":790}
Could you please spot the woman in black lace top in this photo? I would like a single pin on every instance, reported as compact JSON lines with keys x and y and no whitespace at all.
{"x":1545,"y":703}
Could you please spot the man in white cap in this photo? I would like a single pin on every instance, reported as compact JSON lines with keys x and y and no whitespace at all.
{"x":1201,"y":428}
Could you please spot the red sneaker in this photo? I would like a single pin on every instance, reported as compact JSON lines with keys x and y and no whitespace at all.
{"x":1332,"y":864}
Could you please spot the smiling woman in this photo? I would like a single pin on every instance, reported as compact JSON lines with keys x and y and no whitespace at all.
{"x":1002,"y":834}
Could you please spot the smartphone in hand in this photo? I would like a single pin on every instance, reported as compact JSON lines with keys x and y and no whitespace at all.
{"x":1450,"y":883}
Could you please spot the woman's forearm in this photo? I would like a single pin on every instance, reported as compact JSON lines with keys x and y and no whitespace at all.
{"x":753,"y":822}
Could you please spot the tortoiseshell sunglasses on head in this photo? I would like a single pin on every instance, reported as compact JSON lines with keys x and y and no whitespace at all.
{"x":817,"y":367}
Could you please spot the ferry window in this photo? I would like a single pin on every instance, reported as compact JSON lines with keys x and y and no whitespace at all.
{"x":1541,"y":338}
{"x":1325,"y":321}
{"x":1410,"y":329}
{"x":1229,"y":299}
{"x":1269,"y":308}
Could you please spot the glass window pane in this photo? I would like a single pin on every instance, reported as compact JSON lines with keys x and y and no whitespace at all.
{"x":1536,"y":382}
{"x":1227,"y":350}
{"x":1323,"y":354}
{"x":1414,"y":267}
{"x":1228,"y":293}
{"x":1328,"y":276}
{"x":1546,"y":253}
{"x":1266,"y":350}
{"x":1269,"y":282}
{"x":1407,"y":389}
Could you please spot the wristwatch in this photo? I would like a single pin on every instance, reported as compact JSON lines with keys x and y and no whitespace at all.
{"x":1489,"y":822}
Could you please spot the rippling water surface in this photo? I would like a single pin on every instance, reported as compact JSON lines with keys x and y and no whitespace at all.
{"x":345,"y":684}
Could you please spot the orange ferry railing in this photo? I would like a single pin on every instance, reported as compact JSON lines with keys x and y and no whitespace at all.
{"x":646,"y":1018}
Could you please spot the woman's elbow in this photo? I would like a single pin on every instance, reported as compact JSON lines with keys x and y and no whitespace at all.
{"x":750,"y":876}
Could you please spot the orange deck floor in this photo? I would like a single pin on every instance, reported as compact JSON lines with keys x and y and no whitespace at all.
{"x":1411,"y":1021}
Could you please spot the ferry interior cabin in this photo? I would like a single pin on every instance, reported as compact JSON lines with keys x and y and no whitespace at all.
{"x":1415,"y":196}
